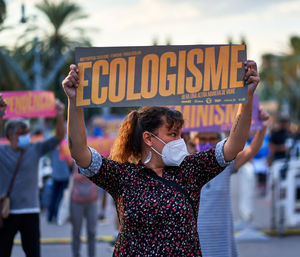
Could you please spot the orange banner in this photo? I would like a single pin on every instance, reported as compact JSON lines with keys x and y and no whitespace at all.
{"x":101,"y":144}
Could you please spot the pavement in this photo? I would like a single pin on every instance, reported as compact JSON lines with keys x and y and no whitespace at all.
{"x":56,"y":239}
{"x":285,"y":245}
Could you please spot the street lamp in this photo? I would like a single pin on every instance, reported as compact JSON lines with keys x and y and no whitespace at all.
{"x":37,"y":66}
{"x":23,"y":17}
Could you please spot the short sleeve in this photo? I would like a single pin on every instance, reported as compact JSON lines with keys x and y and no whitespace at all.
{"x":94,"y":165}
{"x":220,"y":153}
{"x":105,"y":173}
{"x":203,"y":166}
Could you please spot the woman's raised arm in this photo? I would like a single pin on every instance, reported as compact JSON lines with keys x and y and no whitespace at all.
{"x":76,"y":126}
{"x":240,"y":130}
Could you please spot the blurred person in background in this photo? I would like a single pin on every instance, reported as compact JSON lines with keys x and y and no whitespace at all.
{"x":44,"y":170}
{"x":295,"y":149}
{"x":151,"y":176}
{"x":260,"y":163}
{"x":279,"y":136}
{"x":188,"y":141}
{"x":103,"y":204}
{"x":83,"y":206}
{"x":215,"y":220}
{"x":24,"y":208}
{"x":206,"y":140}
{"x":61,"y":170}
{"x":98,"y":131}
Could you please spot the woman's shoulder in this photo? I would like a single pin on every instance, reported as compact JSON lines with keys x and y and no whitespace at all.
{"x":200,"y":155}
{"x":126,"y":167}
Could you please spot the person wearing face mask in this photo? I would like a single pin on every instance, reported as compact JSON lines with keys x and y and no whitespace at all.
{"x":207,"y":140}
{"x":188,"y":141}
{"x":215,"y":220}
{"x":151,"y":176}
{"x":24,"y":196}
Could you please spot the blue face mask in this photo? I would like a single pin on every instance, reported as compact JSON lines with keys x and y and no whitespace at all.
{"x":24,"y":140}
{"x":204,"y":147}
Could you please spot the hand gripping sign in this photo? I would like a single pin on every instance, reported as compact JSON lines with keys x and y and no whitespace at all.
{"x":161,"y":75}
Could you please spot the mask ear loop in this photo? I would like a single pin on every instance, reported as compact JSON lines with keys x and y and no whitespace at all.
{"x":148,"y":158}
{"x":160,"y":141}
{"x":150,"y":153}
{"x":158,"y":138}
{"x":156,"y":151}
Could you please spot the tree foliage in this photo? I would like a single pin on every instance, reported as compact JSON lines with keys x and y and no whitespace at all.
{"x":281,"y":78}
{"x":45,"y":55}
{"x":9,"y":78}
{"x":2,"y":11}
{"x":61,"y":15}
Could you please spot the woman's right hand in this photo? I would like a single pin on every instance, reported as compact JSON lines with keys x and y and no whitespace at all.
{"x":71,"y":82}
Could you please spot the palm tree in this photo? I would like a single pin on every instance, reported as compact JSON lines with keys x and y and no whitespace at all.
{"x":281,"y":78}
{"x":59,"y":44}
{"x":2,"y":11}
{"x":44,"y":58}
{"x":60,"y":15}
{"x":11,"y":75}
{"x":291,"y":76}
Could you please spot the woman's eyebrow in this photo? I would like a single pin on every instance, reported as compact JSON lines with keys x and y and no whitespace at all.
{"x":174,"y":130}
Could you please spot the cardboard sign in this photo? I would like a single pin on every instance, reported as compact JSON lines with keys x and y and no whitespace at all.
{"x":161,"y":75}
{"x":29,"y":104}
{"x":101,"y":144}
{"x":215,"y":118}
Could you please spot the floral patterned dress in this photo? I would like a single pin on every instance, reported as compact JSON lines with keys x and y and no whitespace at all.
{"x":155,"y":218}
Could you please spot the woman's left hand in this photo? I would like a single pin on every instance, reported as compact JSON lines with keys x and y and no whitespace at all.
{"x":251,"y":76}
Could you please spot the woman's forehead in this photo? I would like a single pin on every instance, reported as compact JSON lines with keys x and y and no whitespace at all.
{"x":176,"y":126}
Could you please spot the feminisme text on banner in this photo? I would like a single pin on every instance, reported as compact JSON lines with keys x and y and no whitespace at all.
{"x":215,"y":118}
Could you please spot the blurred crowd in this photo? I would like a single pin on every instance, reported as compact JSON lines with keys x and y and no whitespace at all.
{"x":66,"y":196}
{"x":281,"y":143}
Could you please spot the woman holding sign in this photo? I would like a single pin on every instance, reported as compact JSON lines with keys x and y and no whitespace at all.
{"x":154,"y":181}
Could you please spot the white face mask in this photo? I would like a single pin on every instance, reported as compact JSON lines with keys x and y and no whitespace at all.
{"x":173,"y":152}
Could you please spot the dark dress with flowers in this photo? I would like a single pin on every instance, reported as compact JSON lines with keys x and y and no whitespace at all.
{"x":155,"y":218}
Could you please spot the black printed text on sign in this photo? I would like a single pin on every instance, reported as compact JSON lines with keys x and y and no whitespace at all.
{"x":161,"y":75}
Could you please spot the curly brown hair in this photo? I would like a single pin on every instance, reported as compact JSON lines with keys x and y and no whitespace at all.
{"x":128,"y":145}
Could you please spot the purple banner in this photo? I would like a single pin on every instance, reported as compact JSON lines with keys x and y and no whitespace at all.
{"x":215,"y":118}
